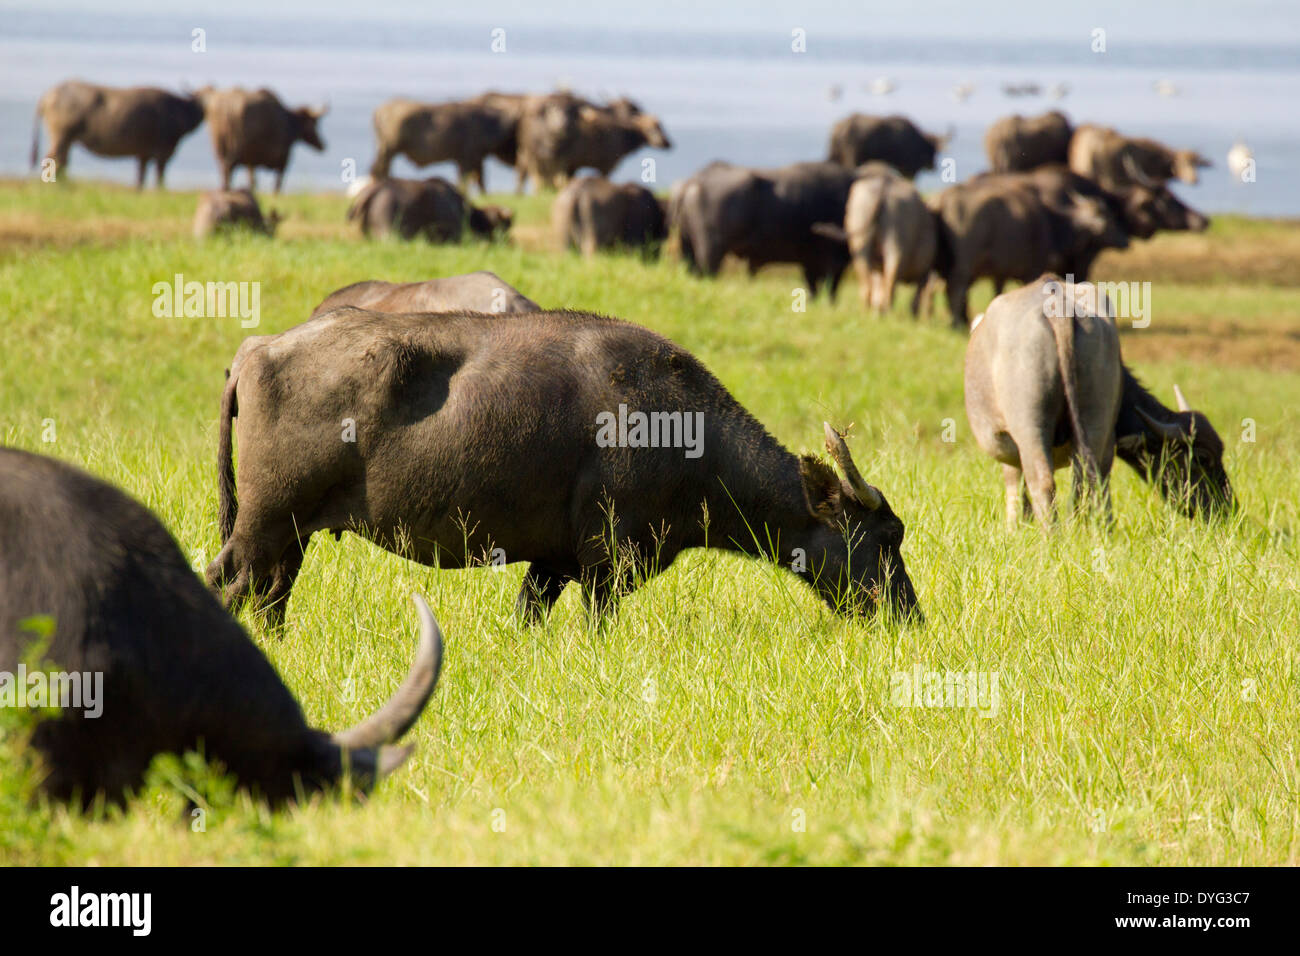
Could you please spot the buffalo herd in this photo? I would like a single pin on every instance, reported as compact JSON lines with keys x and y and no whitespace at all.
{"x":400,"y":412}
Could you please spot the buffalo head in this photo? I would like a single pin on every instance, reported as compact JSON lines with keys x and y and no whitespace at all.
{"x":307,"y":119}
{"x":854,"y":547}
{"x":1185,"y":456}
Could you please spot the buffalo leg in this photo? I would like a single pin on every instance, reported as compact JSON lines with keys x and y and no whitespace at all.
{"x":541,"y":589}
{"x":276,"y":601}
{"x":1011,"y":479}
{"x":227,"y":170}
{"x":141,"y":169}
{"x":958,"y":291}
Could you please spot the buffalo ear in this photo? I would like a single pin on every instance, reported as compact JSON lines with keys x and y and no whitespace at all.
{"x":821,"y":487}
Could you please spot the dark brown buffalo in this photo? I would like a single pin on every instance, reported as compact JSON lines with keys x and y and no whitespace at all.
{"x":142,"y":122}
{"x":1001,"y":228}
{"x":177,"y":673}
{"x":1016,"y":143}
{"x":432,"y":208}
{"x":560,"y":134}
{"x":591,"y":213}
{"x":225,"y":210}
{"x":895,"y":140}
{"x":1117,"y":162}
{"x":464,"y":133}
{"x":253,"y":128}
{"x":1140,"y":212}
{"x":474,"y":292}
{"x":479,"y":437}
{"x":764,"y":216}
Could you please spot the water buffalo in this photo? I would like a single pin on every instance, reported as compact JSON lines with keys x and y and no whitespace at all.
{"x":1138,"y":212}
{"x":142,"y":122}
{"x":895,"y":140}
{"x":1000,"y":229}
{"x":1046,"y":385}
{"x":432,"y":208}
{"x":177,"y":672}
{"x":592,"y":213}
{"x":765,"y":216}
{"x":464,"y":133}
{"x":253,"y":128}
{"x":474,"y":292}
{"x":559,"y":134}
{"x":1116,"y":161}
{"x":223,"y":210}
{"x":891,"y":235}
{"x":1016,"y":143}
{"x":590,"y":447}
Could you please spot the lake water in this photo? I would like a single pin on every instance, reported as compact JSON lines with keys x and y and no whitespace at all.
{"x":741,"y":94}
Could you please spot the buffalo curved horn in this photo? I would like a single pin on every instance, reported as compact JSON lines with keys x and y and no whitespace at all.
{"x":1183,"y":405}
{"x":400,"y":712}
{"x":867,"y":495}
{"x":1135,"y":172}
{"x":1170,"y":431}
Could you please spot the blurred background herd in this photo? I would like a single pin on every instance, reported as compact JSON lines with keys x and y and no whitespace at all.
{"x":724,"y":79}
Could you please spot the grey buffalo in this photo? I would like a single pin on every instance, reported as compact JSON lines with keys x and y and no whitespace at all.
{"x":432,"y":208}
{"x":253,"y":128}
{"x":1016,"y":143}
{"x":891,"y":234}
{"x":1046,"y":386}
{"x":473,"y":292}
{"x":143,"y":122}
{"x":174,"y":671}
{"x":895,"y":140}
{"x":764,"y":216}
{"x":591,"y":213}
{"x":1116,"y":161}
{"x":592,"y":448}
{"x":225,"y":210}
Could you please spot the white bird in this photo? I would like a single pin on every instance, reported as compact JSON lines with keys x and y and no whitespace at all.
{"x":1166,"y":88}
{"x":1058,"y":91}
{"x":882,"y":86}
{"x":1240,"y":159}
{"x":962,"y":91}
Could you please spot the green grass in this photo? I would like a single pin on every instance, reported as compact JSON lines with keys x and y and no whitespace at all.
{"x":1147,"y":676}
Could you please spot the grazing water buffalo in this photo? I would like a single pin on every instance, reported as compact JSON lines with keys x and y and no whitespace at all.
{"x":1138,"y":210}
{"x":1002,"y":228}
{"x":590,"y":447}
{"x":1046,"y":386}
{"x":1016,"y":143}
{"x":223,"y":210}
{"x":765,"y":216}
{"x":592,"y":213}
{"x":560,"y":134}
{"x":895,"y":140}
{"x":464,"y":133}
{"x":253,"y":128}
{"x":142,"y":122}
{"x":474,"y":292}
{"x":891,"y":235}
{"x":1117,"y":162}
{"x":178,"y":673}
{"x":432,"y":208}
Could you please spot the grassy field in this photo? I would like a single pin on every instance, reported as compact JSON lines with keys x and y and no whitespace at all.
{"x":1147,"y":676}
